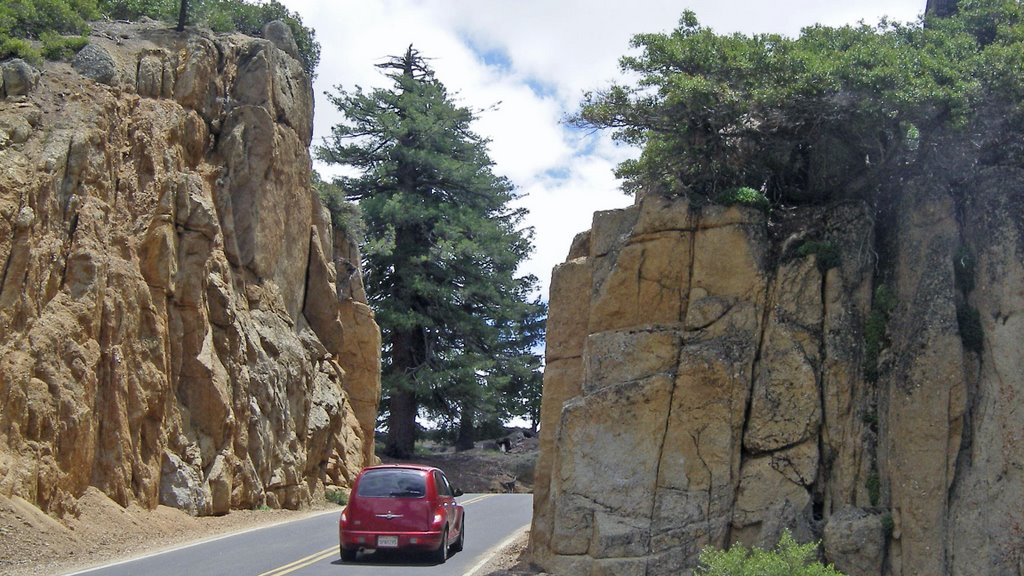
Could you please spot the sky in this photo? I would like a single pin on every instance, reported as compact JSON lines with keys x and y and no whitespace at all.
{"x":526,"y":65}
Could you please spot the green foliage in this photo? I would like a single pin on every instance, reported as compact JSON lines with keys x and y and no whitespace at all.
{"x":888,"y":525}
{"x":884,"y":299}
{"x":788,"y":559}
{"x":339,"y":497}
{"x":870,"y":417}
{"x":808,"y":119}
{"x":19,"y":48}
{"x":242,"y":16}
{"x":745,"y":196}
{"x":346,"y":217}
{"x":875,"y":329}
{"x":22,"y":21}
{"x":826,"y":253}
{"x":57,"y":47}
{"x":912,"y":139}
{"x":874,"y":341}
{"x":32,"y":19}
{"x":249,"y":18}
{"x":166,"y":10}
{"x":522,"y":373}
{"x":874,"y":486}
{"x":441,"y":252}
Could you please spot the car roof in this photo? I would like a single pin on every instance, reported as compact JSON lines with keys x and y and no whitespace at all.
{"x":419,"y":467}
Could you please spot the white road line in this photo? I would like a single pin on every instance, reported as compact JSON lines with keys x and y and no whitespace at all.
{"x":200,"y":542}
{"x":489,"y":554}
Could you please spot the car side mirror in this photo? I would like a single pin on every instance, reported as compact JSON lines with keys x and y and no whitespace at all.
{"x":457,"y":492}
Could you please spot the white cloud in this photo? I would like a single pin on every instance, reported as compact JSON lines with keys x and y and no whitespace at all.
{"x":540,"y":56}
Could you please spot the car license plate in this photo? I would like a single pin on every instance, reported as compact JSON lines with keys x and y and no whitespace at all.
{"x":387,"y":541}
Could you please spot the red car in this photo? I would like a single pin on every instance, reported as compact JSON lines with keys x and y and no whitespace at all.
{"x":402,"y":507}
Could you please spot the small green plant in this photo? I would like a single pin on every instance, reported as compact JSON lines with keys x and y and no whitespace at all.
{"x":870,"y":417}
{"x":57,"y":47}
{"x":20,"y":48}
{"x":874,"y":329}
{"x":788,"y":559}
{"x":346,"y":217}
{"x":913,"y":137}
{"x":885,"y":299}
{"x":888,"y":525}
{"x":421,"y":449}
{"x":826,"y":253}
{"x":264,"y":508}
{"x":339,"y":497}
{"x":874,"y":487}
{"x":746,"y":196}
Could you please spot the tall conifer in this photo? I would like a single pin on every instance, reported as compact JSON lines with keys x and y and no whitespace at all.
{"x":442,"y":249}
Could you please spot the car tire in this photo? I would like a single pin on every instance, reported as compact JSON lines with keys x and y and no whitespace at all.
{"x":441,"y":554}
{"x":348,"y":555}
{"x":457,"y":547}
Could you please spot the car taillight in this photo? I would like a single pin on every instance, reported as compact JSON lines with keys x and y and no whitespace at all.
{"x":344,"y":517}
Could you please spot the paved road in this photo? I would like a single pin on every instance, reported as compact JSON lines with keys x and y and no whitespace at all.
{"x":309,"y":547}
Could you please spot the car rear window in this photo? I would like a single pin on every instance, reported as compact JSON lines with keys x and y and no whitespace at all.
{"x":392,"y":484}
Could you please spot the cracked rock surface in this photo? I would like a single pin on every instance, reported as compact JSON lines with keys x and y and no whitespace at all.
{"x":173,"y":329}
{"x":705,"y":384}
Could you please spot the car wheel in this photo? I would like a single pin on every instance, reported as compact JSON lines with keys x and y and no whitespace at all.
{"x":457,"y":547}
{"x":348,"y":555}
{"x":441,"y":554}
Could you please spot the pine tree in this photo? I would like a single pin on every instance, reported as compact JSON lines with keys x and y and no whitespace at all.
{"x":442,"y":248}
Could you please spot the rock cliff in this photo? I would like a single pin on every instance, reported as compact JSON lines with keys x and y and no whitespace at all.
{"x":180,"y":323}
{"x":851,"y":373}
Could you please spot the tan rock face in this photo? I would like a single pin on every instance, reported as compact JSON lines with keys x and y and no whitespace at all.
{"x":985,"y":428}
{"x":172,"y":327}
{"x":706,"y":385}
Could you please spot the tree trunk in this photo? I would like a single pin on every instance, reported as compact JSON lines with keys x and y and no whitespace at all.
{"x":467,"y":436}
{"x":182,"y":16}
{"x":408,"y":349}
{"x":401,"y":439}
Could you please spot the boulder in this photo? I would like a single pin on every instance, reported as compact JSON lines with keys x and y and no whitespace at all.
{"x":181,"y":487}
{"x":96,"y":63}
{"x":855,"y":542}
{"x":19,"y":78}
{"x":280,"y":34}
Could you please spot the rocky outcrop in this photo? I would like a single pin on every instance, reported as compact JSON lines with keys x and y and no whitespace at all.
{"x":714,"y":376}
{"x":173,"y":326}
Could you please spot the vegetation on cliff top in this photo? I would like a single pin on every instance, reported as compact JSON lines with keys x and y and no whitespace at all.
{"x":813,"y":118}
{"x":442,"y":248}
{"x":50,"y":21}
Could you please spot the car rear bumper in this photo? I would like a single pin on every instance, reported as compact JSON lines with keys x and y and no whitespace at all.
{"x":406,"y":540}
